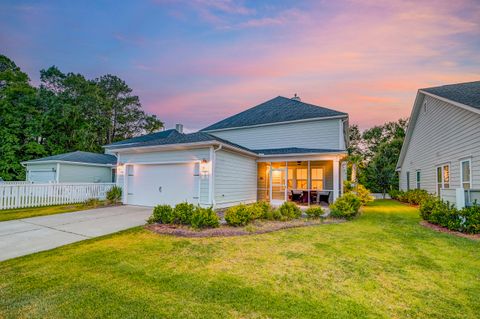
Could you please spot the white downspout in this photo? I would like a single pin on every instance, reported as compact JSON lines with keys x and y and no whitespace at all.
{"x":211,"y":192}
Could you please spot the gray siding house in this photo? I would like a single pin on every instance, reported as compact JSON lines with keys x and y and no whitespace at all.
{"x":441,"y":152}
{"x":280,"y":150}
{"x":74,"y":167}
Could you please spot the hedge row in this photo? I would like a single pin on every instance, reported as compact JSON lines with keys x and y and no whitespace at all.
{"x":442,"y":213}
{"x":413,"y":196}
{"x":185,"y":214}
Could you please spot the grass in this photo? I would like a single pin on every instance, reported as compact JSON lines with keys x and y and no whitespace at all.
{"x":381,"y":265}
{"x":18,"y":213}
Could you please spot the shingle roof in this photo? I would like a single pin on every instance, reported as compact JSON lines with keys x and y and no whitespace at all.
{"x":279,"y":109}
{"x":81,"y":157}
{"x":466,"y":93}
{"x":295,"y":150}
{"x":144,"y":138}
{"x":176,"y":138}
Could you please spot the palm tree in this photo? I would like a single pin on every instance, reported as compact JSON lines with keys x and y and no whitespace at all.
{"x":355,"y":160}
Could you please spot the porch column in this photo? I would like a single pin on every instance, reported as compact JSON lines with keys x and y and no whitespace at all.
{"x":336,"y":179}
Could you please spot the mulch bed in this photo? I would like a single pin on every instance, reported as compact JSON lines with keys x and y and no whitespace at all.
{"x":448,"y":231}
{"x":257,"y":227}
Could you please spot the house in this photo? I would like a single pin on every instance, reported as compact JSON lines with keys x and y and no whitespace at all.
{"x":280,"y":150}
{"x":441,"y":152}
{"x":74,"y":167}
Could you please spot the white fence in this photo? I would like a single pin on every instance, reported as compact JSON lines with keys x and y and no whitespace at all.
{"x":32,"y":195}
{"x":15,"y":182}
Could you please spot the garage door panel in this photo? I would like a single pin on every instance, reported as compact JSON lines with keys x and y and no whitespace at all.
{"x":41,"y":176}
{"x":151,"y":185}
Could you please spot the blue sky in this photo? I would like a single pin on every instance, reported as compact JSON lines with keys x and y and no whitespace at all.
{"x":195,"y":62}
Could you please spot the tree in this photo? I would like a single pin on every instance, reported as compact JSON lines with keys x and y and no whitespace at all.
{"x":382,"y":168}
{"x":19,"y":121}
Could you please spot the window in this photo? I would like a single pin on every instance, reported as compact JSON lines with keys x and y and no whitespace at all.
{"x":408,"y":181}
{"x":290,"y":178}
{"x":302,"y":178}
{"x":465,"y":173}
{"x":443,"y":177}
{"x":317,"y":178}
{"x":418,"y":179}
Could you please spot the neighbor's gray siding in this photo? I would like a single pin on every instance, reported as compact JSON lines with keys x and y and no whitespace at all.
{"x":235,"y":179}
{"x":75,"y":173}
{"x":444,"y":134}
{"x":326,"y":134}
{"x":170,"y":156}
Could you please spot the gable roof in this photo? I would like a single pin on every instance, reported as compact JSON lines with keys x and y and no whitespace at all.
{"x":144,"y":138}
{"x":177,"y":138}
{"x":78,"y":157}
{"x":466,"y":93}
{"x":277,"y":110}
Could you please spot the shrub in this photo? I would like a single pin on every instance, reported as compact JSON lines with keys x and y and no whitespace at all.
{"x":347,"y":206}
{"x":273,"y":214}
{"x":361,"y":191}
{"x":114,"y":195}
{"x":163,"y":214}
{"x":427,"y":206}
{"x":183,"y":213}
{"x":239,"y":215}
{"x":445,"y":214}
{"x":204,"y":217}
{"x":395,"y":194}
{"x":414,"y":196}
{"x":289,"y":210}
{"x":470,"y":217}
{"x":314,"y":212}
{"x":260,"y":210}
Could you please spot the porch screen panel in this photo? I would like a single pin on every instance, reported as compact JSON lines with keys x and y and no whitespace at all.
{"x":263,"y":181}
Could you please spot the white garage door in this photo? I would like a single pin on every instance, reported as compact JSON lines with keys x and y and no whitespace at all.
{"x":41,"y":176}
{"x":150,"y":185}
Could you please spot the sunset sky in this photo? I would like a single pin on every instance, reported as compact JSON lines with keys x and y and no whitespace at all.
{"x":196,"y":62}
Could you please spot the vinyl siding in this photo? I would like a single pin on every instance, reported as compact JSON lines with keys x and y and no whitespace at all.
{"x":326,"y":134}
{"x":444,"y":134}
{"x":235,"y":179}
{"x":74,"y":173}
{"x":170,"y":156}
{"x":34,"y":167}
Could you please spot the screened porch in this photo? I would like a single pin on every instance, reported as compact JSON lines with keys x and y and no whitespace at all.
{"x":302,"y":182}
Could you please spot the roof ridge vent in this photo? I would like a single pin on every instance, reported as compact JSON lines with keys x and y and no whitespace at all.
{"x":296,"y":98}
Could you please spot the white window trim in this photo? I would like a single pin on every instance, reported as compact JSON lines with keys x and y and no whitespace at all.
{"x":469,"y":160}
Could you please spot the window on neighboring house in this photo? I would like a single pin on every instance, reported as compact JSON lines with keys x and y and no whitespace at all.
{"x":443,"y":177}
{"x":418,"y":179}
{"x":408,"y":181}
{"x":466,"y":173}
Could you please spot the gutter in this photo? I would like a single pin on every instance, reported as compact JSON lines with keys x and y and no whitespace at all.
{"x":65,"y":162}
{"x":213,"y":157}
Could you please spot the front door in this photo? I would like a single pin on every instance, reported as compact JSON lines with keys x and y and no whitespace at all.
{"x":278,"y":186}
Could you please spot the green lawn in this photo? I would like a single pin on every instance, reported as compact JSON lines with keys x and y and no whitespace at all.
{"x":381,"y":265}
{"x":10,"y":214}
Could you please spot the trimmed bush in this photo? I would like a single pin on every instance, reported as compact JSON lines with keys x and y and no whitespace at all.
{"x":260,"y":210}
{"x":163,"y":214}
{"x":395,"y":194}
{"x":347,"y":206}
{"x":204,"y":217}
{"x":414,"y":196}
{"x":289,"y":210}
{"x":239,"y":215}
{"x":441,"y":213}
{"x":314,"y":212}
{"x":358,"y":189}
{"x":114,"y":195}
{"x":183,"y":213}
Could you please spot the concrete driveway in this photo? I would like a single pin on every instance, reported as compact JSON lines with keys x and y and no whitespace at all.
{"x":25,"y":236}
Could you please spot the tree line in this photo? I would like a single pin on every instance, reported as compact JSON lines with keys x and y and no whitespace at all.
{"x":66,"y":112}
{"x":373,"y":155}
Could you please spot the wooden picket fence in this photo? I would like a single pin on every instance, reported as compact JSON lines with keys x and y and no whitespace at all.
{"x":33,"y":195}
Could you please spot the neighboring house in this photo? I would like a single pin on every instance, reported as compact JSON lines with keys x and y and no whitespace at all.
{"x":280,"y":150}
{"x":75,"y":167}
{"x":441,"y":152}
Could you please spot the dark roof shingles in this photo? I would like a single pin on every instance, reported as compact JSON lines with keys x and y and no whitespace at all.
{"x":144,"y":138}
{"x":80,"y":157}
{"x":465,"y":93}
{"x":279,"y":109}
